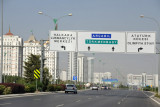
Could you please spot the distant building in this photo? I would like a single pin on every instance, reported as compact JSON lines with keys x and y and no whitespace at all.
{"x":90,"y":69}
{"x":72,"y":65}
{"x":32,"y":46}
{"x":63,"y":75}
{"x":142,"y":80}
{"x":82,"y":69}
{"x":98,"y":76}
{"x":12,"y":54}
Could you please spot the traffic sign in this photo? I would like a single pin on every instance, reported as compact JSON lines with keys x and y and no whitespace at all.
{"x":101,"y":41}
{"x":63,"y":41}
{"x":141,"y":42}
{"x":110,"y":80}
{"x":74,"y":77}
{"x":36,"y":74}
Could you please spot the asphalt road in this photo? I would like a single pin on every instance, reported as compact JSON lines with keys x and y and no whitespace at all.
{"x":89,"y":98}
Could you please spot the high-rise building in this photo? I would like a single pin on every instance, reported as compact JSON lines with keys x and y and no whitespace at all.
{"x":32,"y":46}
{"x":82,"y":68}
{"x":90,"y":69}
{"x":63,"y":75}
{"x":12,"y":54}
{"x":72,"y":65}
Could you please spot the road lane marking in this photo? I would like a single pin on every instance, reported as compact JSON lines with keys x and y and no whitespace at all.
{"x":60,"y":105}
{"x":37,"y":99}
{"x":151,"y":98}
{"x":5,"y":104}
{"x":89,"y":98}
{"x":119,"y":102}
{"x":78,"y":101}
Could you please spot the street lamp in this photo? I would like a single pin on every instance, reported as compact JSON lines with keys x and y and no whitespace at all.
{"x":1,"y":44}
{"x":155,"y":21}
{"x":55,"y":20}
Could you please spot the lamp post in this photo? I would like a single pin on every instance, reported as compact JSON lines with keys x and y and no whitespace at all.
{"x":55,"y":20}
{"x":156,"y":22}
{"x":1,"y":43}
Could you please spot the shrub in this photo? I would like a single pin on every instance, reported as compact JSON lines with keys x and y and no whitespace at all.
{"x":147,"y":88}
{"x":79,"y":87}
{"x":7,"y":90}
{"x":16,"y":88}
{"x":50,"y":87}
{"x":2,"y":87}
{"x":30,"y":88}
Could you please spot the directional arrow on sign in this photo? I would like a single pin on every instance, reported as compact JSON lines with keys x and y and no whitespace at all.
{"x":113,"y":48}
{"x":140,"y":49}
{"x":63,"y":47}
{"x":89,"y":48}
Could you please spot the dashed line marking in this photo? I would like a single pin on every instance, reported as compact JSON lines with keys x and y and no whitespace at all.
{"x":78,"y":101}
{"x":60,"y":105}
{"x":4,"y":104}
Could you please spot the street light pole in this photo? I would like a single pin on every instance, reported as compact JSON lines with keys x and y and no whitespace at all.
{"x":55,"y":20}
{"x":1,"y":44}
{"x":154,"y":20}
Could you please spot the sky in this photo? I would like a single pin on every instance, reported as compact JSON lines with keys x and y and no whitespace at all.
{"x":90,"y":15}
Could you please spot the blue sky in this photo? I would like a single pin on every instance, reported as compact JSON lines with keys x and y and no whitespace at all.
{"x":92,"y":15}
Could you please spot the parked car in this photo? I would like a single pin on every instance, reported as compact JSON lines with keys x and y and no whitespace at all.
{"x":70,"y":88}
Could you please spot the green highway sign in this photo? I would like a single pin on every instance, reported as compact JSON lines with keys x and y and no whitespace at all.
{"x":93,"y":41}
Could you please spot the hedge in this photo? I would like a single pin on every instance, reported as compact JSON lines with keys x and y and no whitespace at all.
{"x":16,"y":88}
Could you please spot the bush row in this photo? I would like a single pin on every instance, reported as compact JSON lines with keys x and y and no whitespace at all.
{"x":8,"y":88}
{"x":52,"y":87}
{"x":15,"y":88}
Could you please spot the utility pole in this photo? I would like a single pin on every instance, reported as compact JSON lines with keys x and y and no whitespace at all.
{"x":1,"y":45}
{"x":42,"y":59}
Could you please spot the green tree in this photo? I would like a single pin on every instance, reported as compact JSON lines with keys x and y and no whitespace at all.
{"x":31,"y":64}
{"x":46,"y":78}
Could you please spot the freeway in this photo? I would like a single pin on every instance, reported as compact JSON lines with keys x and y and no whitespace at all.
{"x":88,"y":98}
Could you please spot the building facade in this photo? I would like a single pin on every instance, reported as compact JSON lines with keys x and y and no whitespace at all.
{"x":12,"y":54}
{"x":98,"y":76}
{"x":142,"y":80}
{"x":32,"y":46}
{"x":72,"y":65}
{"x":90,"y":69}
{"x":63,"y":75}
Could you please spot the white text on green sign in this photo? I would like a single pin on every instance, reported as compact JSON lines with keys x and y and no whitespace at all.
{"x":92,"y":41}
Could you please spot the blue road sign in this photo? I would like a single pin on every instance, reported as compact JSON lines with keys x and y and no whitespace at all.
{"x":74,"y":77}
{"x":101,"y":35}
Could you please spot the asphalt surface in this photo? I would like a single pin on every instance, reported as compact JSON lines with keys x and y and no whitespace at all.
{"x":89,"y":98}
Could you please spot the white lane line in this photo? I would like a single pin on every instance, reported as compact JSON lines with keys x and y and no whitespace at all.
{"x":89,"y":98}
{"x":152,"y":98}
{"x":119,"y":102}
{"x":37,"y":99}
{"x":5,"y":104}
{"x":60,"y":105}
{"x":78,"y":101}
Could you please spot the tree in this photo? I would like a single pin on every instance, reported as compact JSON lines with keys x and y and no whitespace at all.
{"x":32,"y":64}
{"x":46,"y":78}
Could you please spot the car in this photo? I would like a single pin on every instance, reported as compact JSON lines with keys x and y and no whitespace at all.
{"x":94,"y":87}
{"x":104,"y":88}
{"x":70,"y":88}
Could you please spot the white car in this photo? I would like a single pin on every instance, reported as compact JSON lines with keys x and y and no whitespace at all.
{"x":95,"y":88}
